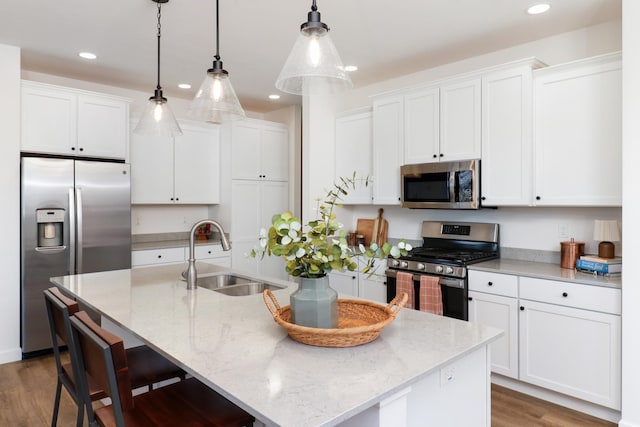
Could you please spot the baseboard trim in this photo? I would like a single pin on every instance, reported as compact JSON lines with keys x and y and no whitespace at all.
{"x":624,"y":423}
{"x":559,"y":399}
{"x":12,"y":355}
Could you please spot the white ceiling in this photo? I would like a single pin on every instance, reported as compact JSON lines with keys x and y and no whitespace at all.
{"x":384,"y":38}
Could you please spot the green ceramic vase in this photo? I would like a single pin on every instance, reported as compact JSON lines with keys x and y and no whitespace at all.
{"x":315,"y":303}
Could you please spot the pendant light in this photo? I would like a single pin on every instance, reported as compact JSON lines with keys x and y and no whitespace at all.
{"x":216,"y":101}
{"x":314,"y":63}
{"x":157,"y":118}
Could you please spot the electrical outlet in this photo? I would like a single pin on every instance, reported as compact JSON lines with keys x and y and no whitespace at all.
{"x":447,"y":375}
{"x":564,"y":231}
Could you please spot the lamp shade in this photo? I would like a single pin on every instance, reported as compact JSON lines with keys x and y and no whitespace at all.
{"x":216,"y":101}
{"x":606,"y":230}
{"x":313,"y":65}
{"x":158,"y":119}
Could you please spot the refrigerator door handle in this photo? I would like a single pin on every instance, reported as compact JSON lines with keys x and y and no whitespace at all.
{"x":80,"y":243}
{"x":52,"y":250}
{"x":72,"y":232}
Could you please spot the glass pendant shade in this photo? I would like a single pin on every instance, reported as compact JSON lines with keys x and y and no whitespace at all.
{"x":216,"y":101}
{"x":314,"y":65}
{"x":158,"y":119}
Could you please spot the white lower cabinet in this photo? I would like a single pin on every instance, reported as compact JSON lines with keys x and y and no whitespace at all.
{"x":493,"y":301}
{"x":562,"y":336}
{"x":212,"y":254}
{"x":344,"y":282}
{"x":571,"y":350}
{"x":501,"y":313}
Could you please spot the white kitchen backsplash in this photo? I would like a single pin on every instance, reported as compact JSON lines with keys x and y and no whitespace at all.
{"x":146,"y":219}
{"x":533,"y":228}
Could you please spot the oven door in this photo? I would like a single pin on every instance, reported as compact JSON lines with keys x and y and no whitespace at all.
{"x":455,"y":294}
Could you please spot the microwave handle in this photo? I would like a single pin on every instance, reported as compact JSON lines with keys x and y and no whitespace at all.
{"x":453,"y":184}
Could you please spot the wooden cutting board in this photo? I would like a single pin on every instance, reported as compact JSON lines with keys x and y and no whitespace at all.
{"x":365,"y":227}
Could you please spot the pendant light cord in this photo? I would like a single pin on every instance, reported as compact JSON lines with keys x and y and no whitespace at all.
{"x":217,"y":56}
{"x":313,"y":6}
{"x":159,"y":34}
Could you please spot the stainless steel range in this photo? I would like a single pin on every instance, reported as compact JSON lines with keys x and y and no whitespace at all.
{"x":447,"y":248}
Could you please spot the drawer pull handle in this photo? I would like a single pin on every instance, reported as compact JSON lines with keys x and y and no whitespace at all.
{"x":490,"y":283}
{"x":470,"y":298}
{"x":564,"y":294}
{"x":209,"y":252}
{"x":521,"y":308}
{"x":159,"y":256}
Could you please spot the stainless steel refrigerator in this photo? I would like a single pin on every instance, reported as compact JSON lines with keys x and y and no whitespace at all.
{"x":76,"y":218}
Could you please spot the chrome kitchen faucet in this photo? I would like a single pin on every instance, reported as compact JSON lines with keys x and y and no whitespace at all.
{"x":191,"y":274}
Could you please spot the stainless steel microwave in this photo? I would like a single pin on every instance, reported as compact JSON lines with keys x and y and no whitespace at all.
{"x":444,"y":185}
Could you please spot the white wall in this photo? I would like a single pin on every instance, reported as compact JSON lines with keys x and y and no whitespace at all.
{"x":630,"y":214}
{"x":10,"y":214}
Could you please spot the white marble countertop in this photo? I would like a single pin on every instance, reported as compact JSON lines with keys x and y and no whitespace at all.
{"x":543,"y":270}
{"x":233,"y":345}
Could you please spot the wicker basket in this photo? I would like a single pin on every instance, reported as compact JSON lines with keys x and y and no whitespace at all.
{"x":359,"y":322}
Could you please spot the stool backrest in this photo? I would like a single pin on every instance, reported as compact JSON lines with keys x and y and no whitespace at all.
{"x":102,"y":356}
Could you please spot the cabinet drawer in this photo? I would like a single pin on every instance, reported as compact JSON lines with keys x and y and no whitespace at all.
{"x":157,"y":256}
{"x":209,"y":251}
{"x":493,"y":283}
{"x":606,"y":300}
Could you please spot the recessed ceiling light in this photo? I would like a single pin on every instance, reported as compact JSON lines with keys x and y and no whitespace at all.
{"x":184,"y":86}
{"x":274,"y":96}
{"x":87,"y":55}
{"x":538,"y":8}
{"x":350,"y":68}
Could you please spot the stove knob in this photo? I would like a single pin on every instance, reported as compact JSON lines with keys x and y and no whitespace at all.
{"x":449,"y":270}
{"x":439,"y":269}
{"x":404,"y":264}
{"x":395,"y":263}
{"x":421,"y":266}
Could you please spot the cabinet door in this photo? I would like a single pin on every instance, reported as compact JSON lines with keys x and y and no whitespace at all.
{"x":571,"y":351}
{"x":245,"y":157}
{"x":354,"y":154}
{"x":460,"y":120}
{"x":506,"y":138}
{"x":48,"y":120}
{"x":388,"y":140}
{"x":103,"y":127}
{"x":274,"y":153}
{"x":151,"y":169}
{"x":422,"y":126}
{"x":197,"y":165}
{"x":346,"y":284}
{"x":501,"y":313}
{"x":246,"y":222}
{"x":274,"y":200}
{"x":578,"y":131}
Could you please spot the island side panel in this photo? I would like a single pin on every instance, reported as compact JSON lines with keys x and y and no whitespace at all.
{"x":457,"y":394}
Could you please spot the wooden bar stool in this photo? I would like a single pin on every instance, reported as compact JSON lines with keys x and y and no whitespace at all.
{"x":146,"y":366}
{"x":186,"y":403}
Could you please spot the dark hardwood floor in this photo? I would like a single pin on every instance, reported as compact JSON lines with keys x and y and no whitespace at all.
{"x":27,"y":390}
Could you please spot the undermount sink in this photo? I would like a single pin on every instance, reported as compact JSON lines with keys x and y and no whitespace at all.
{"x":230,"y":284}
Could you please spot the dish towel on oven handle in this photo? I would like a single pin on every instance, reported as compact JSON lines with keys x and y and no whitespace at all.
{"x":404,"y":283}
{"x":430,"y":295}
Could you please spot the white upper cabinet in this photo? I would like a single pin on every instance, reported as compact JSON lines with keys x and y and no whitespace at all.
{"x":578,"y":133}
{"x":443,"y":123}
{"x":183,"y":170}
{"x":58,"y":120}
{"x":460,"y":120}
{"x":260,"y":150}
{"x":388,"y":143}
{"x":422,"y":126}
{"x":354,"y":154}
{"x":506,"y":166}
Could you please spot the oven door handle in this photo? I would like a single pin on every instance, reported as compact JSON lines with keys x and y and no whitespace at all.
{"x":444,"y":281}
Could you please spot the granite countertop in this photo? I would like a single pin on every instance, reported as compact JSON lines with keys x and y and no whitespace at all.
{"x":141,"y":242}
{"x":235,"y":347}
{"x":543,"y":270}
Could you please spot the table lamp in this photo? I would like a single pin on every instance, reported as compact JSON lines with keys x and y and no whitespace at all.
{"x":606,"y":231}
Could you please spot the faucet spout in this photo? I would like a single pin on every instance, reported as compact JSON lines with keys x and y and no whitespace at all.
{"x":191,"y":274}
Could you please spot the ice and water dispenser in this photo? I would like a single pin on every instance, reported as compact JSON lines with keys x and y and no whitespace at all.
{"x":50,"y":227}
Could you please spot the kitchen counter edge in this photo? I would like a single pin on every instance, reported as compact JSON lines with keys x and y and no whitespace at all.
{"x":547,"y":271}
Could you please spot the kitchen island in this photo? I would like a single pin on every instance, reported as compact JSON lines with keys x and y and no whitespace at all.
{"x":422,"y":370}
